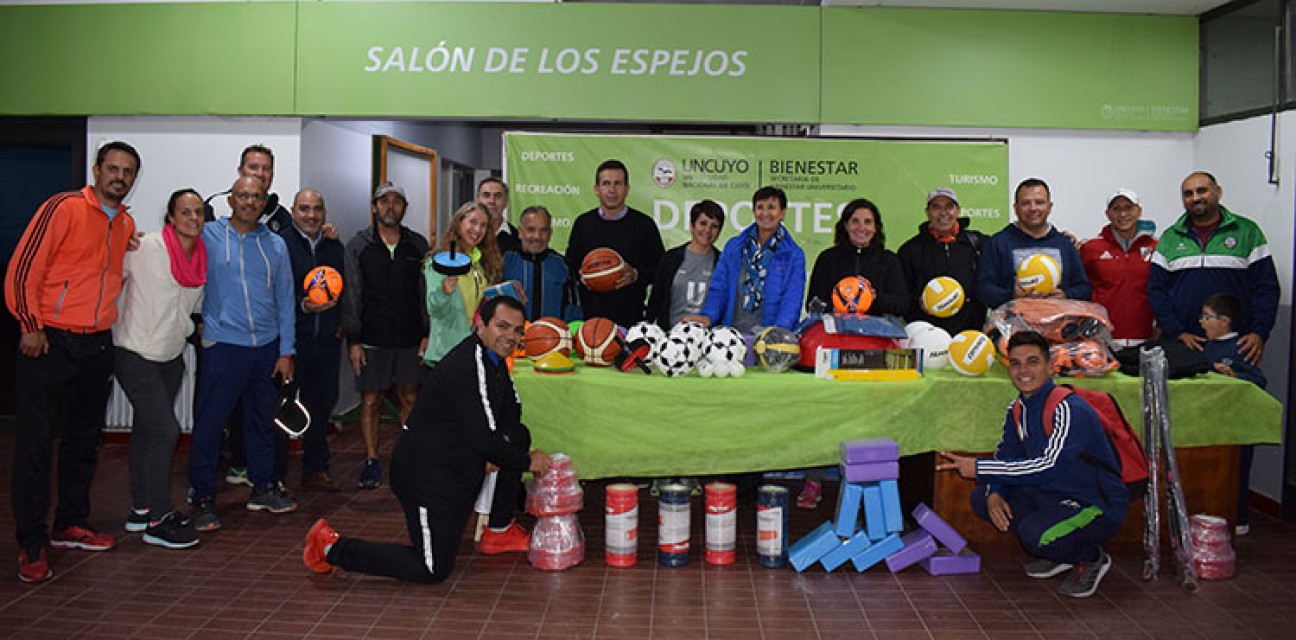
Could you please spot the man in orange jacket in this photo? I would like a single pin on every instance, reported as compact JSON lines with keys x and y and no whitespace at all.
{"x":62,"y":286}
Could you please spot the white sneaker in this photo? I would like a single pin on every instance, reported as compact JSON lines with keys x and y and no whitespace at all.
{"x":1241,"y":530}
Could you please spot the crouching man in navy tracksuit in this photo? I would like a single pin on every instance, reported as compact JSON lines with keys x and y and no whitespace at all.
{"x":1058,"y":489}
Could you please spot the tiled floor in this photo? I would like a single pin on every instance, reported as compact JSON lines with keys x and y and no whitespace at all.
{"x":247,"y":581}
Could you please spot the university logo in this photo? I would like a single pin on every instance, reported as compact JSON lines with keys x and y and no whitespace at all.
{"x":664,"y":173}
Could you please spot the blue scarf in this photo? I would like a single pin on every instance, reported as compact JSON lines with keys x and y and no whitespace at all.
{"x":756,"y":259}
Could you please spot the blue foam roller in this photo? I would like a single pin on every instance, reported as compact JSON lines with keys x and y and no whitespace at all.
{"x":877,"y":552}
{"x":948,"y":563}
{"x":933,"y":524}
{"x":917,"y":546}
{"x":874,"y":520}
{"x":813,"y":546}
{"x":870,"y":471}
{"x":869,"y":450}
{"x":849,"y":549}
{"x":891,"y":511}
{"x":848,"y":508}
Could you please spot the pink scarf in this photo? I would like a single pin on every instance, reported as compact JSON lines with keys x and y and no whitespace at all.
{"x":189,"y":271}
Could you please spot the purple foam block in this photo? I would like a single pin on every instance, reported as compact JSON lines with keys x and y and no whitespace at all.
{"x":933,"y":524}
{"x":948,"y":563}
{"x":849,"y":549}
{"x":870,"y":471}
{"x":917,"y":545}
{"x":869,"y":450}
{"x":876,"y":553}
{"x":749,"y":360}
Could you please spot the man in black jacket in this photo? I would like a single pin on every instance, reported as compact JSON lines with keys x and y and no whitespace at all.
{"x":467,"y":417}
{"x":944,"y":246}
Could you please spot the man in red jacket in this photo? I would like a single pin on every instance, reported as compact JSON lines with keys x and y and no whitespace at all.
{"x":62,"y":287}
{"x":1117,"y":263}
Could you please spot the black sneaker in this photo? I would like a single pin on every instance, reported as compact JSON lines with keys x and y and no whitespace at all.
{"x":1041,"y":568}
{"x":272,"y":500}
{"x":1083,"y":580}
{"x":204,"y":516}
{"x":137,"y":521}
{"x":170,"y":532}
{"x":370,"y":474}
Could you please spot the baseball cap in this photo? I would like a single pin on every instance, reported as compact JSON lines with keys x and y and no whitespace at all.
{"x":1128,"y":194}
{"x":386,"y":188}
{"x":942,"y":191}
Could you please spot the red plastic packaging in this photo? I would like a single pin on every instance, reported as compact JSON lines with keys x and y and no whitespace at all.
{"x":1212,"y":548}
{"x":557,"y":543}
{"x":557,"y":492}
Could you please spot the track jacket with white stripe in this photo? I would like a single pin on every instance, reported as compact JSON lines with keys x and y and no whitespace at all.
{"x":467,"y":414}
{"x":1068,"y":463}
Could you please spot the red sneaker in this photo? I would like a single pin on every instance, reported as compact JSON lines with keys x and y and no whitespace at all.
{"x":320,"y":536}
{"x":514,"y":538}
{"x":82,"y":538}
{"x":810,"y":495}
{"x":37,"y":570}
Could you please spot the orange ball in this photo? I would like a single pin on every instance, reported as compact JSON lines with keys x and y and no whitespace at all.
{"x":853,"y":294}
{"x":323,"y":285}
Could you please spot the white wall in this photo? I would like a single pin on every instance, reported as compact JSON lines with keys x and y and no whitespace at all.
{"x":198,"y":152}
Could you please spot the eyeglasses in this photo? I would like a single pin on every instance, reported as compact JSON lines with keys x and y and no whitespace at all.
{"x":1212,"y":316}
{"x":249,"y":197}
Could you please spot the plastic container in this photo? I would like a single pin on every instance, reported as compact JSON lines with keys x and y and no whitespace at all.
{"x":673,"y":525}
{"x":621,"y":525}
{"x":721,"y":523}
{"x":771,"y":526}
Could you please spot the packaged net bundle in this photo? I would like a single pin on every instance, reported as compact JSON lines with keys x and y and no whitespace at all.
{"x":1212,"y":549}
{"x":556,"y":492}
{"x":557,"y":543}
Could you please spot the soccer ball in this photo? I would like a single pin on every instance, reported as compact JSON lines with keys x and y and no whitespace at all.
{"x":650,"y":333}
{"x":942,"y":297}
{"x":853,"y":294}
{"x":723,"y":354}
{"x":677,"y":357}
{"x":971,"y":353}
{"x":1039,"y":274}
{"x":692,"y":333}
{"x":776,"y":349}
{"x":933,"y":340}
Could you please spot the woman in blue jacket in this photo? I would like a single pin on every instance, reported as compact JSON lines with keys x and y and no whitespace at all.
{"x":759,"y":280}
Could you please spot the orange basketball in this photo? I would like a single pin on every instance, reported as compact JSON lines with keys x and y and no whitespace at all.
{"x":853,"y":294}
{"x":546,"y":336}
{"x":596,"y":342}
{"x":601,"y":269}
{"x":323,"y":284}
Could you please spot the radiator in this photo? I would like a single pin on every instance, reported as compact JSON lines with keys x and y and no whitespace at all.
{"x":121,"y":414}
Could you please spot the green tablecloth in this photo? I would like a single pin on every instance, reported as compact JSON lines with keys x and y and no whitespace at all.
{"x":621,"y":424}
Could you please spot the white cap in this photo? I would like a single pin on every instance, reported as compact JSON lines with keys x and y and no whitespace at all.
{"x":386,"y":188}
{"x":1128,"y":194}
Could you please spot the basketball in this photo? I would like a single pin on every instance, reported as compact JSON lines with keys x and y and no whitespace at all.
{"x":853,"y":294}
{"x":1039,"y":274}
{"x":547,"y":335}
{"x":601,"y":269}
{"x":942,"y":297}
{"x":971,"y":353}
{"x":596,"y":342}
{"x":323,"y":285}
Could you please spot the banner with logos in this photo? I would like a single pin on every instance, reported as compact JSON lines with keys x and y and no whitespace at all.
{"x":668,"y":175}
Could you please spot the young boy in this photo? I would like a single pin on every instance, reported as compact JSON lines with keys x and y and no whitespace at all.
{"x":1220,"y":313}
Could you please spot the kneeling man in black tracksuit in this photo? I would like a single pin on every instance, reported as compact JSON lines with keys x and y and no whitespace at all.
{"x":467,"y":416}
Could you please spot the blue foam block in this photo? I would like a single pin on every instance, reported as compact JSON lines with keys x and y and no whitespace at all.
{"x":848,"y":508}
{"x":918,"y":545}
{"x":933,"y":524}
{"x":849,"y":549}
{"x":891,"y":506}
{"x":869,"y":450}
{"x":877,"y":552}
{"x":948,"y":563}
{"x":813,"y":546}
{"x":870,"y":471}
{"x":874,"y":520}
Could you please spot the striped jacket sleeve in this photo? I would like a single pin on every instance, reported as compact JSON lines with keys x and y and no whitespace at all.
{"x":27,"y":268}
{"x":1062,"y":445}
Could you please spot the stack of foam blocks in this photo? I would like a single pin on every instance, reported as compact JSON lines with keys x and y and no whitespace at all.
{"x":869,"y":527}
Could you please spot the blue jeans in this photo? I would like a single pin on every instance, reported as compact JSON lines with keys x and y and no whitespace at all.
{"x":232,"y":374}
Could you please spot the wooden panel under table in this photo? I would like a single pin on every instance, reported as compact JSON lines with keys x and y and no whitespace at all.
{"x":1210,"y":477}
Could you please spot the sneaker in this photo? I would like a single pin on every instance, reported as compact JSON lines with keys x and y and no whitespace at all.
{"x":272,"y":500}
{"x":33,"y":571}
{"x":1083,"y":580}
{"x":137,"y":520}
{"x":654,"y":489}
{"x":238,"y":475}
{"x":1241,"y":530}
{"x":514,"y":538}
{"x":694,"y":487}
{"x":204,"y":516}
{"x":1041,"y":568}
{"x":371,"y":474}
{"x":319,"y":481}
{"x":318,"y":540}
{"x":170,"y":532}
{"x":83,"y":539}
{"x":811,"y":494}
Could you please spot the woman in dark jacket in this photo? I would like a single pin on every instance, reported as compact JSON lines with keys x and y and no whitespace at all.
{"x":685,"y":271}
{"x":859,"y":250}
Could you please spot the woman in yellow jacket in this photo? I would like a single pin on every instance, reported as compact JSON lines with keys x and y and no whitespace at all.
{"x":452,"y":300}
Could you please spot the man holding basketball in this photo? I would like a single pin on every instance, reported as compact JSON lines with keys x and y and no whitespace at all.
{"x":319,"y":339}
{"x":629,"y":232}
{"x":467,"y":417}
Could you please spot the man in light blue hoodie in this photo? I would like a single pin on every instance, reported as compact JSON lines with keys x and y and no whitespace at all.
{"x":248,"y":338}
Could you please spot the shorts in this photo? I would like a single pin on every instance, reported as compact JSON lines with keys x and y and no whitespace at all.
{"x":385,"y":366}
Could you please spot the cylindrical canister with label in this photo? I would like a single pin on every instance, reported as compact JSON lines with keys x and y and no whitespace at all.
{"x":621,"y":525}
{"x":771,"y":525}
{"x":721,"y":523}
{"x":673,"y":525}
